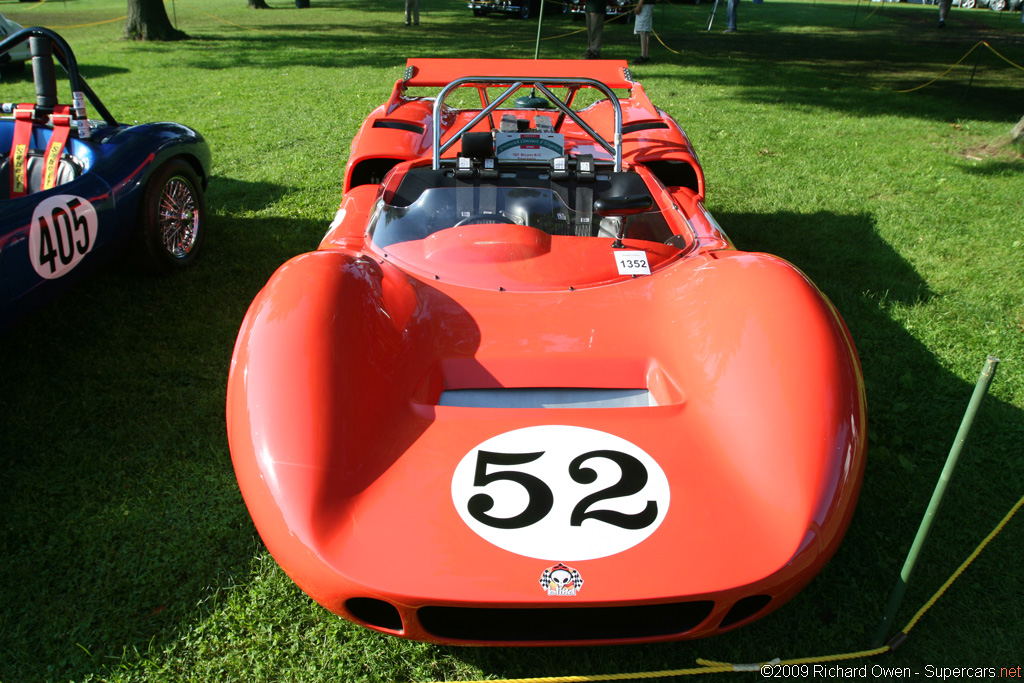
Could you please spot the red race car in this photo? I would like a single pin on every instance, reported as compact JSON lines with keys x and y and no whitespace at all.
{"x":526,"y":392}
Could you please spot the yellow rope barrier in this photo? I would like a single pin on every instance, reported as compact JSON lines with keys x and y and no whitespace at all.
{"x":688,"y":20}
{"x":710,"y":667}
{"x":960,"y":61}
{"x":675,"y":52}
{"x":949,"y":582}
{"x":41,"y":3}
{"x":880,"y":4}
{"x":582,"y":30}
{"x":563,"y":35}
{"x":231,"y":23}
{"x":678,"y":9}
{"x":95,"y":23}
{"x":108,"y":21}
{"x":997,"y":54}
{"x":226,"y":21}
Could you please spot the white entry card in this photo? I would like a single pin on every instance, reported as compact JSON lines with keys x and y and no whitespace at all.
{"x":632,"y":262}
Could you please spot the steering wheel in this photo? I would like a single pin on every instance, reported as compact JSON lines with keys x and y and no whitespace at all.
{"x":485,"y":219}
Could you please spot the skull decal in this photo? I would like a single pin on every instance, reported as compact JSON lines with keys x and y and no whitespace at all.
{"x":561,"y":580}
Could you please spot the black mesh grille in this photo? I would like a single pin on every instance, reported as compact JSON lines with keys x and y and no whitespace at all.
{"x":563,"y":624}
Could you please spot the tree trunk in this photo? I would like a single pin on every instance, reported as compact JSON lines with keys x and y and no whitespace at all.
{"x":1017,"y":134}
{"x":258,"y":4}
{"x":147,"y":20}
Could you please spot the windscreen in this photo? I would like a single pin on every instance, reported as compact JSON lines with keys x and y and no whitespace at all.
{"x":566,"y":213}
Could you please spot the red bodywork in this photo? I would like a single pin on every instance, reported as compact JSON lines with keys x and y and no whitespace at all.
{"x":385,"y":398}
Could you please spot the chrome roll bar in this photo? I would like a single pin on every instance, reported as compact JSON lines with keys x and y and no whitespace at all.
{"x":515,"y":84}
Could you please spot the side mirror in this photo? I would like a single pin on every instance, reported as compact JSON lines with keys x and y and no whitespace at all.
{"x":620,"y":207}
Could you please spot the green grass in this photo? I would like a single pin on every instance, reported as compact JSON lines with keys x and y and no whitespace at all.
{"x":126,"y":552}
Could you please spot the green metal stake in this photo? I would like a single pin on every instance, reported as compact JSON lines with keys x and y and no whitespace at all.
{"x":540,"y":22}
{"x":980,"y":389}
{"x":973,"y":71}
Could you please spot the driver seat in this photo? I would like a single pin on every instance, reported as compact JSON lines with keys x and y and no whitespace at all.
{"x":68,"y":169}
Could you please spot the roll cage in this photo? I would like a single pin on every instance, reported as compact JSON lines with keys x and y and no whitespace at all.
{"x":44,"y":45}
{"x":515,"y":84}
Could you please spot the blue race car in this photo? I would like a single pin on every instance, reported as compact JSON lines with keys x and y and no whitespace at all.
{"x":74,"y":192}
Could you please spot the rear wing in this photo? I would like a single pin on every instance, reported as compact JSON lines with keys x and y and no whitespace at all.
{"x":435,"y":73}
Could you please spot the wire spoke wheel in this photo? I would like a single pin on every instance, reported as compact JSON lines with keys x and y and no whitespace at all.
{"x":179,"y":219}
{"x":173,"y":218}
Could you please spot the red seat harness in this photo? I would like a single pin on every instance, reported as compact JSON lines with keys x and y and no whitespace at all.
{"x":24,"y":121}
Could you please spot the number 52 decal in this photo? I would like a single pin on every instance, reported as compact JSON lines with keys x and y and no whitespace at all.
{"x":556,"y":492}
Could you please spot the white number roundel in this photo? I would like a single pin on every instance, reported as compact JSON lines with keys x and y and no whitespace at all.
{"x":562,"y":493}
{"x":63,"y":231}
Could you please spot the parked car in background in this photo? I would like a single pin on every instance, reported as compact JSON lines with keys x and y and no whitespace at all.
{"x":615,"y":8}
{"x":524,"y":9}
{"x":14,"y":60}
{"x":995,"y":5}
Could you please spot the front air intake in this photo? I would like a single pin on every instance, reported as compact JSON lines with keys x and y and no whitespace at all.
{"x":373,"y":612}
{"x":744,"y":609}
{"x":563,"y":624}
{"x":547,"y":398}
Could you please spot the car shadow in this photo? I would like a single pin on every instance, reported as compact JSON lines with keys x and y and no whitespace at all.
{"x":93,"y":71}
{"x":88,"y":71}
{"x":121,"y":511}
{"x":231,"y":196}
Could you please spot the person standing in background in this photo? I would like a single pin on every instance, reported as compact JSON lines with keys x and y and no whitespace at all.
{"x":595,"y":11}
{"x":412,"y":11}
{"x":643,"y":27}
{"x":730,"y":13}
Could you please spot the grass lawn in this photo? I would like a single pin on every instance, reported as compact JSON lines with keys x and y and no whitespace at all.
{"x":126,"y":552}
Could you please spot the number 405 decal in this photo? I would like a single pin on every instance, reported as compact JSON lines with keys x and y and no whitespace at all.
{"x":555,"y":492}
{"x":63,"y":231}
